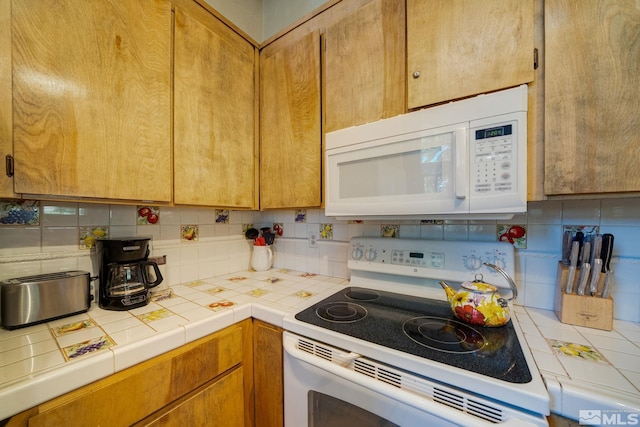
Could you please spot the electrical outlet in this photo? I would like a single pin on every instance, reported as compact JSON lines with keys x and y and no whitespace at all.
{"x":313,"y":239}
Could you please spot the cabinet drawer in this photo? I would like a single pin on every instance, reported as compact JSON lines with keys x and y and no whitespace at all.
{"x":133,"y":394}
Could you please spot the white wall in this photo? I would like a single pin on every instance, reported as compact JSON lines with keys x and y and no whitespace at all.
{"x":278,"y":14}
{"x":53,"y":245}
{"x":246,"y":14}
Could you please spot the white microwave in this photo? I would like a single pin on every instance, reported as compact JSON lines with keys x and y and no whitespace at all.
{"x":465,"y":159}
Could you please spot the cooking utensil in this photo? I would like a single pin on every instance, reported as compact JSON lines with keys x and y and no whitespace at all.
{"x":573,"y":262}
{"x":567,"y":239}
{"x":608,"y":284}
{"x":251,"y":233}
{"x":583,"y":278}
{"x":607,"y":250}
{"x":595,"y":276}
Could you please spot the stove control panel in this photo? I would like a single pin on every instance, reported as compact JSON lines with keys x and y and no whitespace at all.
{"x":434,"y":259}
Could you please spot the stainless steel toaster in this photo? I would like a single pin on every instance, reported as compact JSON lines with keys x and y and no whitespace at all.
{"x":29,"y":300}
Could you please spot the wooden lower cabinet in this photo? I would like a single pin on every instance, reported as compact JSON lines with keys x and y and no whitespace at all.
{"x":208,"y":379}
{"x":268,"y":375}
{"x":217,"y":404}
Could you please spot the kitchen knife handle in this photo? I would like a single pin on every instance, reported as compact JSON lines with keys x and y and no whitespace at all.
{"x":584,"y":276}
{"x":595,"y":276}
{"x":607,"y":251}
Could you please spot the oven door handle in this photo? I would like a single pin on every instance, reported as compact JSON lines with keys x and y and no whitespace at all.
{"x":443,"y":411}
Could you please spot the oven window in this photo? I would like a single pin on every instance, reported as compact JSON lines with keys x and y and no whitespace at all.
{"x":328,"y":411}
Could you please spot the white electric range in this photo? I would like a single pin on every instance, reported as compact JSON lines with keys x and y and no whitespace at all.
{"x":387,"y":351}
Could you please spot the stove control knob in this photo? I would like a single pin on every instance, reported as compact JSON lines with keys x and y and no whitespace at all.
{"x":370,"y":254}
{"x":473,"y":263}
{"x":356,"y":253}
{"x":499,"y":262}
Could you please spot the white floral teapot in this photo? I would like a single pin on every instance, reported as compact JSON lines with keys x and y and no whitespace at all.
{"x":479,"y":303}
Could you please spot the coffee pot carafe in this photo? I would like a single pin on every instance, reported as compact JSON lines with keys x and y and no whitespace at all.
{"x":125,"y":273}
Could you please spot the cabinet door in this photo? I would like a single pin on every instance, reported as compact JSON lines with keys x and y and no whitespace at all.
{"x":214,"y":112}
{"x":459,"y":48}
{"x":291,"y":139}
{"x":365,"y":65}
{"x":220,"y":403}
{"x":592,"y":96}
{"x":268,"y":374}
{"x":91,"y":98}
{"x":6,"y":131}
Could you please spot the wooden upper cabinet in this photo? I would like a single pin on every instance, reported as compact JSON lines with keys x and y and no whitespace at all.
{"x":214,"y":112}
{"x":6,"y":131}
{"x":364,"y":76}
{"x":291,"y":139}
{"x":592,"y":96}
{"x":460,"y":48}
{"x":91,"y":98}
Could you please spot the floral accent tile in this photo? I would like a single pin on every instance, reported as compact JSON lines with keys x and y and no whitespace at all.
{"x":355,"y":221}
{"x":88,"y":235}
{"x":189,"y":233}
{"x":586,"y":229}
{"x":148,"y":215}
{"x":301,"y":215}
{"x":272,"y":279}
{"x":222,"y":216}
{"x":514,"y":234}
{"x":390,"y":231}
{"x":236,"y":278}
{"x":154,"y":315}
{"x":73,"y":327}
{"x":216,"y":290}
{"x":22,"y":212}
{"x":326,"y":231}
{"x":308,"y":275}
{"x":303,"y":294}
{"x":278,"y":228}
{"x":86,"y":347}
{"x":245,"y":227}
{"x":221,"y":305}
{"x":257,"y":293}
{"x":194,"y":284}
{"x":582,"y":351}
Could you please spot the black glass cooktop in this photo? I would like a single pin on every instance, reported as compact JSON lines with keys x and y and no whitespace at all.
{"x":421,"y":327}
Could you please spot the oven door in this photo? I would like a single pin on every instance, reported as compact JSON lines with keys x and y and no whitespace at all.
{"x":321,"y":393}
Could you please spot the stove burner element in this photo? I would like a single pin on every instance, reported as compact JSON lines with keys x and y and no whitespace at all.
{"x":341,"y":312}
{"x":445,"y":335}
{"x":362,"y":294}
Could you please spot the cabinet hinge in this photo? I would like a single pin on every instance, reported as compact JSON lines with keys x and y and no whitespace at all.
{"x":535,"y":58}
{"x":9,"y":165}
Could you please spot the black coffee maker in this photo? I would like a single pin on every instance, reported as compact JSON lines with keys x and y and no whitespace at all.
{"x":125,"y":274}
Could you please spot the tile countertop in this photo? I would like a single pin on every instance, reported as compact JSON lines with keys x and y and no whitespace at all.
{"x":601,"y":370}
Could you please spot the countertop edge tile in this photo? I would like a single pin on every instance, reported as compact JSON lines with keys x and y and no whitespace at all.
{"x":134,"y":353}
{"x":55,"y":382}
{"x":203,"y":327}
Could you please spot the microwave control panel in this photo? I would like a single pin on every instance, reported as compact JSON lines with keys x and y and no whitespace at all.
{"x":494,"y":159}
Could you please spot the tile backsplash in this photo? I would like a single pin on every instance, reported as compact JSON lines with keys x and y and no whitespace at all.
{"x":315,"y":243}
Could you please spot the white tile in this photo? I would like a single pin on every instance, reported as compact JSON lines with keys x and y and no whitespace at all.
{"x":167,"y":324}
{"x":30,"y":366}
{"x":132,"y":334}
{"x":607,"y":343}
{"x":189,"y":216}
{"x":122,"y":215}
{"x":203,"y":327}
{"x":581,"y":212}
{"x":538,"y":343}
{"x":26,"y":352}
{"x":564,"y":334}
{"x":596,"y":373}
{"x":547,"y":212}
{"x":93,"y":214}
{"x":548,"y":362}
{"x":116,"y":231}
{"x":432,"y":232}
{"x":144,"y":349}
{"x":620,"y":212}
{"x":196,"y":313}
{"x":59,"y":214}
{"x":539,"y":295}
{"x":60,"y":238}
{"x":456,"y":232}
{"x":170,"y":215}
{"x":633,"y":377}
{"x":121,"y":325}
{"x":22,"y":337}
{"x":544,"y":238}
{"x":19,"y":240}
{"x":620,"y":360}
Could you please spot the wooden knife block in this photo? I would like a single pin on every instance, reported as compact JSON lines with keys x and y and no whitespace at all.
{"x":592,"y":312}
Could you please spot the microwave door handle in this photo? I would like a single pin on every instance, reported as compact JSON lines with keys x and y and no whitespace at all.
{"x":462,"y":170}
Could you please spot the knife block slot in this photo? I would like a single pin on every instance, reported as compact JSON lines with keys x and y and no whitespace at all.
{"x":585,"y":310}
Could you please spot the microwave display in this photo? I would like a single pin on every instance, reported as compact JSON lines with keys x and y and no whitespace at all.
{"x":493,"y":132}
